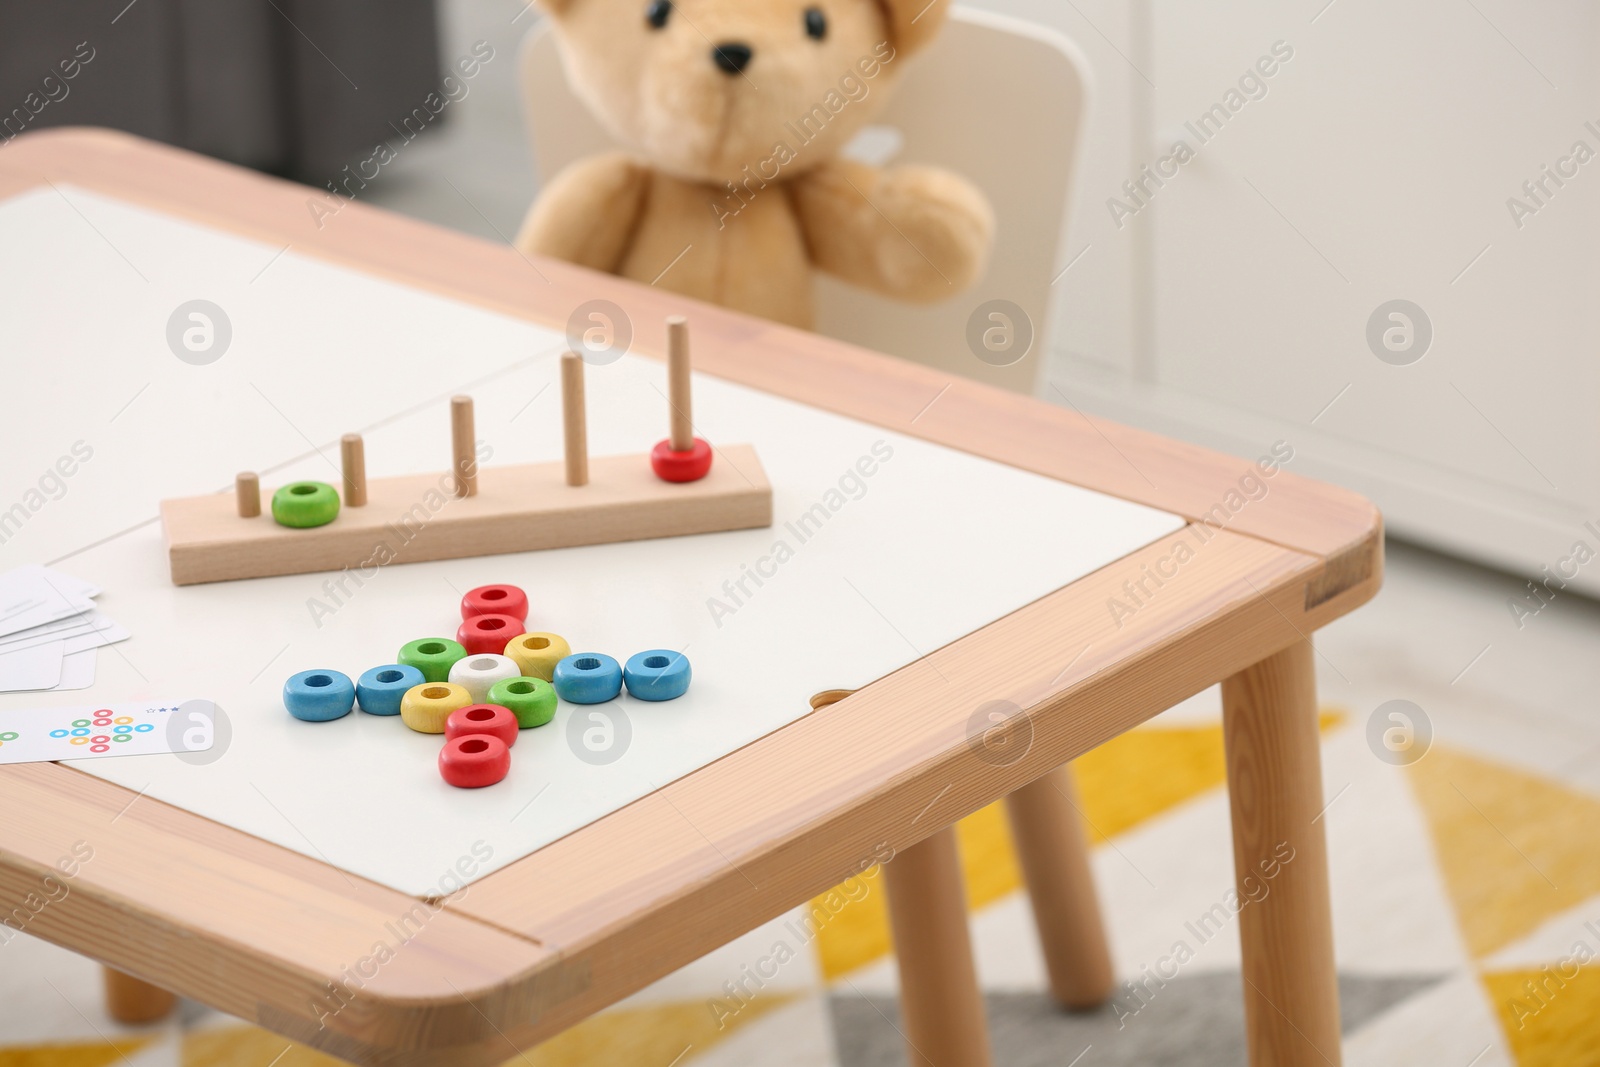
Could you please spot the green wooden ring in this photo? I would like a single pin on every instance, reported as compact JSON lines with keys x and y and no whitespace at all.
{"x":531,"y":700}
{"x":433,"y":656}
{"x":305,"y":504}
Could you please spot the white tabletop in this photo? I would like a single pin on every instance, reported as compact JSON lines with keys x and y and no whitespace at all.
{"x":930,"y":546}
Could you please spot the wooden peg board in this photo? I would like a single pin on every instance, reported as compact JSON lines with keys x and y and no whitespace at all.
{"x":411,"y":518}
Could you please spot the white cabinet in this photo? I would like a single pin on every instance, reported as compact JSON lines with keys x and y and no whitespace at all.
{"x":1374,"y":164}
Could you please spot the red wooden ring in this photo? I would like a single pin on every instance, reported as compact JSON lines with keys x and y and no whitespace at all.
{"x":491,"y":720}
{"x":495,"y":600}
{"x":474,"y":761}
{"x":688,"y":466}
{"x":487,"y":635}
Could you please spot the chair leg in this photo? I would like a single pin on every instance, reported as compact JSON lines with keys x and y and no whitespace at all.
{"x":1291,"y":992}
{"x":941,"y":1006}
{"x":1054,"y":853}
{"x":131,"y":1001}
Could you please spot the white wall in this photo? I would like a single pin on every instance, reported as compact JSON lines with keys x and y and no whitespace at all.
{"x":1096,"y":312}
{"x":1233,"y":308}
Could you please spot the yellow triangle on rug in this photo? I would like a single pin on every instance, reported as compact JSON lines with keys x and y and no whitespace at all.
{"x":1550,"y":1015}
{"x":248,"y":1046}
{"x":85,"y":1054}
{"x":1514,"y":848}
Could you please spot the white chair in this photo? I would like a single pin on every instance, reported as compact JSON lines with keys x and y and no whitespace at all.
{"x":998,"y":100}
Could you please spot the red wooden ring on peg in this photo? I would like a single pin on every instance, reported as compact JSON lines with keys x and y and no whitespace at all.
{"x":487,"y":634}
{"x":688,"y":466}
{"x":495,"y":600}
{"x":491,"y":720}
{"x":474,"y":761}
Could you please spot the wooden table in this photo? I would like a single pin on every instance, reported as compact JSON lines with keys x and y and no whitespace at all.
{"x":542,"y":943}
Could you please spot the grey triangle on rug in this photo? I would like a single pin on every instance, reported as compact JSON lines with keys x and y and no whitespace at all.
{"x":1191,"y":1021}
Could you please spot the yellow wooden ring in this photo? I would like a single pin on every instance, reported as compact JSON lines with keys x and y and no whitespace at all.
{"x":425,"y":707}
{"x":537,"y":654}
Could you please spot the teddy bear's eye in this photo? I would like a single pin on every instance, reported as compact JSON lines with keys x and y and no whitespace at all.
{"x":656,"y":14}
{"x":816,"y":23}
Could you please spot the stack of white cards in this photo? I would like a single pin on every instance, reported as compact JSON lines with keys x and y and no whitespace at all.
{"x":49,"y":630}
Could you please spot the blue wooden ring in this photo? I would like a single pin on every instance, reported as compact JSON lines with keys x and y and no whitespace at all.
{"x":380,"y":689}
{"x":658,"y":674}
{"x":587,"y":678}
{"x":319,"y":696}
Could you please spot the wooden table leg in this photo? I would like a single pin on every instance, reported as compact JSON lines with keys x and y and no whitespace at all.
{"x":1048,"y":832}
{"x":128,"y":1000}
{"x":1291,"y":992}
{"x":941,"y":1006}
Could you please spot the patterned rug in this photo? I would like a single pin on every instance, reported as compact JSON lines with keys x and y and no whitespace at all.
{"x":1466,"y":908}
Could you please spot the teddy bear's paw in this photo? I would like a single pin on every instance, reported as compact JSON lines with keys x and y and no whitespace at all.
{"x":941,"y":233}
{"x":587,"y":213}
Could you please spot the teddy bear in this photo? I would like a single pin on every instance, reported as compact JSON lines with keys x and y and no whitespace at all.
{"x":732,"y":188}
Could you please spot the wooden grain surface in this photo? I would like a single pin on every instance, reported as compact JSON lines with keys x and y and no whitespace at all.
{"x":540,"y":944}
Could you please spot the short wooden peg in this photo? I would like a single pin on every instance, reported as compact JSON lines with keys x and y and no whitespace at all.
{"x":573,"y":419}
{"x":464,"y":445}
{"x":353,"y":457}
{"x":247,"y":488}
{"x":679,"y":395}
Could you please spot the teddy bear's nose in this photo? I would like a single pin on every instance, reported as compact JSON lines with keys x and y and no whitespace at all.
{"x":732,"y":56}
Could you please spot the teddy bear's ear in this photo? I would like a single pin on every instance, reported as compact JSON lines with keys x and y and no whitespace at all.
{"x":555,"y":7}
{"x":912,"y":23}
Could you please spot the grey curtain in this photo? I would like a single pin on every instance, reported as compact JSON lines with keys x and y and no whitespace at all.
{"x":294,"y":87}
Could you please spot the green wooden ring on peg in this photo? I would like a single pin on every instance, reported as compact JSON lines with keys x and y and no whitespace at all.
{"x":305,"y":504}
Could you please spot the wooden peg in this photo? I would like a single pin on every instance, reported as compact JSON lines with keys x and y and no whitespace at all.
{"x":464,"y":445}
{"x":353,"y":458}
{"x":679,"y":396}
{"x":247,"y":488}
{"x":573,"y":419}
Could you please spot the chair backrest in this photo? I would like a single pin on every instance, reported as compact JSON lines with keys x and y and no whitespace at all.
{"x":996,"y":99}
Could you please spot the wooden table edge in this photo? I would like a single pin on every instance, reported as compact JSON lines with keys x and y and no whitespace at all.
{"x":92,"y":878}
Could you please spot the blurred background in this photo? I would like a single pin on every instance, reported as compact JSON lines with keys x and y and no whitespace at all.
{"x":1382,"y":256}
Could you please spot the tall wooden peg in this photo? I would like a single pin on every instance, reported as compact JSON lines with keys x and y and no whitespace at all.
{"x":353,"y":458}
{"x":247,"y":489}
{"x":574,"y":419}
{"x":679,"y":395}
{"x":681,"y":457}
{"x":464,"y":446}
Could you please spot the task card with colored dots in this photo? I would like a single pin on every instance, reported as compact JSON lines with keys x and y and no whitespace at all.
{"x":41,"y":735}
